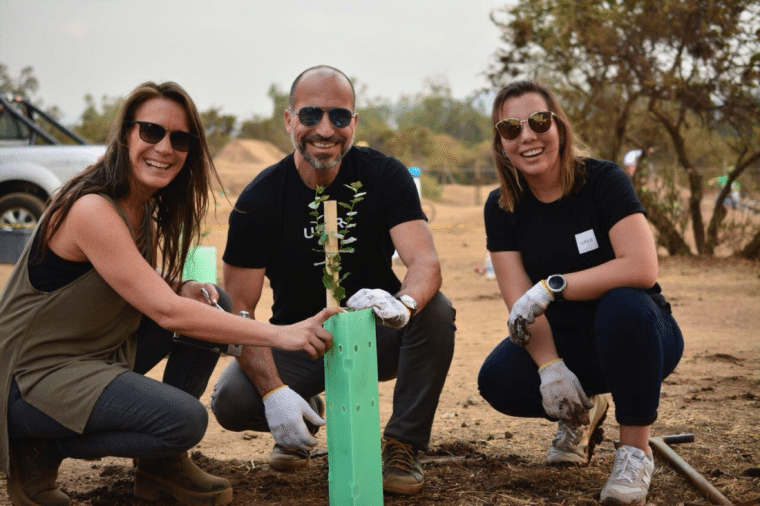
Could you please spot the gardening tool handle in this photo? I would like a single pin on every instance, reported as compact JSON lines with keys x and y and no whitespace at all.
{"x":678,"y":439}
{"x":688,"y":472}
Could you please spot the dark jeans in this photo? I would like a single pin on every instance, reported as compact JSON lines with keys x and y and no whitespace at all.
{"x":634,"y":345}
{"x":418,"y":356}
{"x":135,"y":416}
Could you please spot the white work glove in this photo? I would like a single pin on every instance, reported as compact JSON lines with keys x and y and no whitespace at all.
{"x":533,"y":303}
{"x":562,"y":394}
{"x":285,"y":411}
{"x":388,"y":309}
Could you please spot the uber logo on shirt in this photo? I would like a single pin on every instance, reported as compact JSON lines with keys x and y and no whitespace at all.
{"x":308,"y":233}
{"x":586,"y":241}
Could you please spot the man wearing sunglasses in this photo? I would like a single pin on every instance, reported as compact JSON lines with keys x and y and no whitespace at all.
{"x":271,"y":236}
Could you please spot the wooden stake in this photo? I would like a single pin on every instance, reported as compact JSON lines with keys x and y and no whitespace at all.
{"x":331,"y":247}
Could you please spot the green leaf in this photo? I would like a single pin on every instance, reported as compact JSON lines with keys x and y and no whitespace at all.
{"x":349,"y":240}
{"x":346,"y":250}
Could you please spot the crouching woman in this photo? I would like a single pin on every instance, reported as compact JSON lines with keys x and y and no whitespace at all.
{"x":577,"y":267}
{"x":85,"y":314}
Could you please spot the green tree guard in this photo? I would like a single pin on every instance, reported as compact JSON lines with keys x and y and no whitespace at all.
{"x":353,"y":415}
{"x":201,"y":264}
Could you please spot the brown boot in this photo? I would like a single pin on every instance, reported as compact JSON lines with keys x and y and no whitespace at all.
{"x":34,"y":471}
{"x":402,"y":473}
{"x":180,"y":478}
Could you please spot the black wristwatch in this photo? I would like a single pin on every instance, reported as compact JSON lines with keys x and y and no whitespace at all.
{"x":557,"y":284}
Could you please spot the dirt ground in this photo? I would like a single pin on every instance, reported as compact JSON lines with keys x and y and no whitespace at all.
{"x":480,"y":457}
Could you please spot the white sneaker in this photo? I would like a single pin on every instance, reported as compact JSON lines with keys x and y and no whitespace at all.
{"x":575,"y":445}
{"x":629,"y":482}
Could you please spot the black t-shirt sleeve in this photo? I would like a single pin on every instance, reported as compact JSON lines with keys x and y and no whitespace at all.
{"x":500,"y":226}
{"x":246,"y":244}
{"x":615,"y":195}
{"x":402,"y":202}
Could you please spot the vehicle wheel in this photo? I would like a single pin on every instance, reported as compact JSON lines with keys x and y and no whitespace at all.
{"x":20,"y":210}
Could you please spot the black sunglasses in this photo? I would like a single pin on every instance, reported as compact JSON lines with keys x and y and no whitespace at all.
{"x":310,"y":116}
{"x":511,"y":128}
{"x":153,"y":133}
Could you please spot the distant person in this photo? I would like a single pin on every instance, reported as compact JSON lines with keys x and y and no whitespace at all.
{"x":270,"y":236}
{"x":631,"y":161}
{"x":734,"y":197}
{"x":85,"y":314}
{"x":576,"y":264}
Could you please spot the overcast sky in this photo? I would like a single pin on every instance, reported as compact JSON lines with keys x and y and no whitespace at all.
{"x":227,"y":53}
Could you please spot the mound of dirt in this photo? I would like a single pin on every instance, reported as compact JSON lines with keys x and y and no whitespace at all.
{"x":249,"y":151}
{"x":242,"y":159}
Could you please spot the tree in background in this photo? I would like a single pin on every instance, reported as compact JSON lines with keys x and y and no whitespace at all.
{"x":434,"y":108}
{"x":632,"y":72}
{"x":219,"y":128}
{"x":270,"y":129}
{"x":26,"y":84}
{"x":96,"y":120}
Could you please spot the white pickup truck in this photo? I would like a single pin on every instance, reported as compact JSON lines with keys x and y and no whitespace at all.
{"x":35,"y":161}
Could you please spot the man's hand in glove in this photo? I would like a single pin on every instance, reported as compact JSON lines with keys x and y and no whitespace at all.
{"x":533,"y":303}
{"x":389,"y":310}
{"x":285,"y":411}
{"x":562,"y":394}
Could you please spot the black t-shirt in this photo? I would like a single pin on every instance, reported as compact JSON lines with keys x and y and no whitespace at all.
{"x":568,"y":235}
{"x":271,"y":228}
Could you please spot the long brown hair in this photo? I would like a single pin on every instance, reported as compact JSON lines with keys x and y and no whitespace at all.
{"x":176,"y":210}
{"x":572,"y":167}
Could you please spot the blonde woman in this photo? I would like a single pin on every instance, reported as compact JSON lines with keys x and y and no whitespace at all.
{"x":576,"y":264}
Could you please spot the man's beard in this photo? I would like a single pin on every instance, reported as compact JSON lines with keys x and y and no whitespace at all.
{"x":315,"y":162}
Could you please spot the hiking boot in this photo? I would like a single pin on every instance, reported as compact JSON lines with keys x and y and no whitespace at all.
{"x":34,"y":471}
{"x":402,"y":473}
{"x":575,"y":445}
{"x":180,"y":478}
{"x":289,"y":460}
{"x":629,"y":482}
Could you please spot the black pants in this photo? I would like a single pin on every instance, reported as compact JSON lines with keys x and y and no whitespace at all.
{"x":418,"y":356}
{"x":635,"y":344}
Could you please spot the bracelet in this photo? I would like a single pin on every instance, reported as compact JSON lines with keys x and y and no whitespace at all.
{"x":550,"y":362}
{"x":183,"y":283}
{"x":273,"y":391}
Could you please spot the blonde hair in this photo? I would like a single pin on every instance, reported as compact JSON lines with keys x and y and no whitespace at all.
{"x":572,"y":164}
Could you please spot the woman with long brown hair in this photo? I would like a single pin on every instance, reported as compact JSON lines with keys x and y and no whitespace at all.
{"x":89,"y":308}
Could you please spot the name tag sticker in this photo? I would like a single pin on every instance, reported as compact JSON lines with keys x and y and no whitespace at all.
{"x":586,"y":241}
